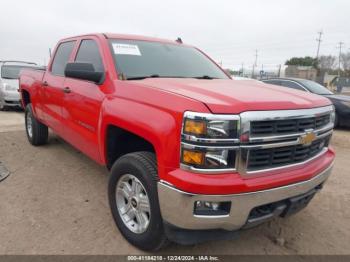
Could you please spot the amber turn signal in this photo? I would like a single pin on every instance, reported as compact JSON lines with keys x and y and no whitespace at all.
{"x":192,"y":157}
{"x":195,"y":127}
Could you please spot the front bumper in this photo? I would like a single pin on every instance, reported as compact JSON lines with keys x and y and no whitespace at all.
{"x":177,"y":207}
{"x":10,"y":99}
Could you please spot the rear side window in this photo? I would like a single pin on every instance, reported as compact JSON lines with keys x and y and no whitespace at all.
{"x":12,"y":71}
{"x":292,"y":85}
{"x":61,"y":58}
{"x":273,"y":82}
{"x":89,"y":53}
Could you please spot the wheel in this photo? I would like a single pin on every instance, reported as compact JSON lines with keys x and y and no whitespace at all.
{"x":2,"y":107}
{"x":37,"y":133}
{"x":133,"y":199}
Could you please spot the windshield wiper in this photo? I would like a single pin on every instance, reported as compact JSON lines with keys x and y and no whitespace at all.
{"x":142,"y":77}
{"x":205,"y":77}
{"x":158,"y":76}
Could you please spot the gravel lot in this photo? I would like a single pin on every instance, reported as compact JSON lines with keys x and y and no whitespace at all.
{"x":55,"y":202}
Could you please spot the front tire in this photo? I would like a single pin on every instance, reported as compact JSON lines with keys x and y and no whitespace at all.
{"x":37,"y":133}
{"x":133,"y":199}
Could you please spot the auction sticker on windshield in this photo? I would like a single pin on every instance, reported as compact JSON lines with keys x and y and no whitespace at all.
{"x":125,"y":49}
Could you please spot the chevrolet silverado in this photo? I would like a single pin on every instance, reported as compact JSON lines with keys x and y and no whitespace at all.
{"x":193,"y":155}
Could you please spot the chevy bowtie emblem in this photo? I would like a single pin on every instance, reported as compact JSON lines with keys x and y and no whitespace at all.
{"x":307,"y":138}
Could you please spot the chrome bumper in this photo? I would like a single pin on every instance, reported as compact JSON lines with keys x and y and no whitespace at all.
{"x":177,"y":207}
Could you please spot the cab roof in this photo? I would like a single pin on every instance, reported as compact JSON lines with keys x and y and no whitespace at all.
{"x":127,"y":37}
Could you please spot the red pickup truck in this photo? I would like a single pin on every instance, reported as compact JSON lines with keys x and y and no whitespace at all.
{"x":193,"y":154}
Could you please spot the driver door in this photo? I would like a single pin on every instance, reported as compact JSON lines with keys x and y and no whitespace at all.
{"x":82,"y":103}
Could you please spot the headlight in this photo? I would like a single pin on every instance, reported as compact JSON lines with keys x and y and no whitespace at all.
{"x":210,"y":126}
{"x":208,"y":142}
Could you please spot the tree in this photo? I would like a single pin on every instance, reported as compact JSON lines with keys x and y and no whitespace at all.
{"x":327,"y":62}
{"x":302,"y":61}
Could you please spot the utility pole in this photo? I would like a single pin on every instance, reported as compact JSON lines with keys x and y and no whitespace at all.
{"x":340,"y":46}
{"x":279,"y":70}
{"x":319,"y":40}
{"x":255,"y":62}
{"x":242,"y":69}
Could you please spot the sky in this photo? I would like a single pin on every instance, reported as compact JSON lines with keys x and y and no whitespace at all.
{"x":227,"y":30}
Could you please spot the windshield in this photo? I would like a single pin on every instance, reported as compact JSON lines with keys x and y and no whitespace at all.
{"x":316,"y":87}
{"x":140,"y":59}
{"x":11,"y":71}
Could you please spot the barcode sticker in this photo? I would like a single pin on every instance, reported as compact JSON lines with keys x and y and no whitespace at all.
{"x":125,"y":49}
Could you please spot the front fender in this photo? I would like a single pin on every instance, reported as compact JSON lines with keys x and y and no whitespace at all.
{"x":159,"y":127}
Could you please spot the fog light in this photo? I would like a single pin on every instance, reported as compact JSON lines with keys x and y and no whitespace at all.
{"x":207,"y":208}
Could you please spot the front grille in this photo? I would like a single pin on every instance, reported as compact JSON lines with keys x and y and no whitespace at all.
{"x":276,"y":127}
{"x":281,"y":156}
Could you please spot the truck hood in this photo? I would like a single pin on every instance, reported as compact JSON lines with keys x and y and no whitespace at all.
{"x":233,"y":96}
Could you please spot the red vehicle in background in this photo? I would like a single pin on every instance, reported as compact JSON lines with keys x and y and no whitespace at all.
{"x":193,"y":154}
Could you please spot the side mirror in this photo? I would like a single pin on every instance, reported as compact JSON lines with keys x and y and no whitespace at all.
{"x":84,"y":71}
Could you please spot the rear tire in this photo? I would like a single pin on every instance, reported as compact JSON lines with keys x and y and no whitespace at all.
{"x":142,"y":168}
{"x":37,"y":133}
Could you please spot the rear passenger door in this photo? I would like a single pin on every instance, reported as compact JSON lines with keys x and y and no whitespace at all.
{"x":82,"y":105}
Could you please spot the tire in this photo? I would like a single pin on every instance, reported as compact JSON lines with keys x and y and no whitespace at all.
{"x":37,"y":133}
{"x":143,"y":167}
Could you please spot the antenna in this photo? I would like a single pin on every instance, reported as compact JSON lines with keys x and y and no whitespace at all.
{"x":179,"y":40}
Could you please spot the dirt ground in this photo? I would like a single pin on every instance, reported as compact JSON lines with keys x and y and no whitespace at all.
{"x":55,"y":202}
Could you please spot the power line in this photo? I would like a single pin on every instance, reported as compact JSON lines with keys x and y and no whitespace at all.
{"x":319,"y":40}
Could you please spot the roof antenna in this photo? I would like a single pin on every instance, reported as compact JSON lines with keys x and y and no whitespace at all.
{"x":179,"y":40}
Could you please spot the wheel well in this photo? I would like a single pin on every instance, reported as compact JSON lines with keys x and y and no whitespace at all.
{"x":120,"y":142}
{"x":25,"y":97}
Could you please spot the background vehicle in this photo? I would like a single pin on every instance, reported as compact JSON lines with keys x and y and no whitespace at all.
{"x":9,"y":74}
{"x":240,"y":78}
{"x":340,"y":102}
{"x":193,"y":154}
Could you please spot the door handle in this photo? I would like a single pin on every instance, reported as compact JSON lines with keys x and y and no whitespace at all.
{"x":67,"y":90}
{"x":45,"y":83}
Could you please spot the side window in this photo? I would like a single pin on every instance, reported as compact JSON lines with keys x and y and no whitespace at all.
{"x":89,"y":53}
{"x":292,"y":85}
{"x":273,"y":82}
{"x":61,"y":58}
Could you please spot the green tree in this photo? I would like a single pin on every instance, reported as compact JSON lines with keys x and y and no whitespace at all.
{"x":302,"y":61}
